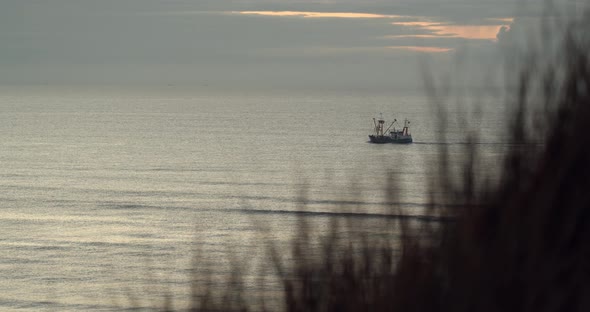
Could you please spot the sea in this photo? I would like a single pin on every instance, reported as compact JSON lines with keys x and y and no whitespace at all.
{"x":113,"y":201}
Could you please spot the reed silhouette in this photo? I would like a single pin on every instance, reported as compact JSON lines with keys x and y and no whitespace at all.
{"x":520,"y":242}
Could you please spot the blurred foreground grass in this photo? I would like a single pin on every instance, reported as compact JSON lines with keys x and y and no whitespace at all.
{"x":518,"y":243}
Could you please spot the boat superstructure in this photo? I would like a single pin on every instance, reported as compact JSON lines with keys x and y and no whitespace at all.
{"x":381,"y":136}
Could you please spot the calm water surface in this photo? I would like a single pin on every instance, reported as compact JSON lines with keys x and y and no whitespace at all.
{"x":105,"y":200}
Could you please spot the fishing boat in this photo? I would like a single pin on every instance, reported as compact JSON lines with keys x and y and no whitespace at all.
{"x":394,"y":136}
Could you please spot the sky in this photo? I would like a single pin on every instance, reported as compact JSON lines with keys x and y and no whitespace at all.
{"x":336,"y":45}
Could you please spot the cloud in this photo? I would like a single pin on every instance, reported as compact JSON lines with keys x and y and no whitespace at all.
{"x":417,"y":27}
{"x":422,"y":49}
{"x":442,"y":29}
{"x":317,"y":14}
{"x":502,"y":32}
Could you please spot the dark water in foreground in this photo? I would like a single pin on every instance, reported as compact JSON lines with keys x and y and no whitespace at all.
{"x":104,"y":198}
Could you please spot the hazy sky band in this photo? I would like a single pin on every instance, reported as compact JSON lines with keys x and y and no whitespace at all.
{"x":232,"y":43}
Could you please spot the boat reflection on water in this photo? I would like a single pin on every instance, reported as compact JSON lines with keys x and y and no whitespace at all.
{"x":394,"y":136}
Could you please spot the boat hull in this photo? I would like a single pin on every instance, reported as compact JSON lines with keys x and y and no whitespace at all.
{"x":382,"y":139}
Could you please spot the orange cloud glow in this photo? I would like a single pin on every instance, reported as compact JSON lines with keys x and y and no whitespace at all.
{"x":486,"y":32}
{"x":318,"y":14}
{"x":416,"y":24}
{"x":417,"y":36}
{"x":508,"y":20}
{"x":422,"y":49}
{"x":416,"y":27}
{"x":438,"y":29}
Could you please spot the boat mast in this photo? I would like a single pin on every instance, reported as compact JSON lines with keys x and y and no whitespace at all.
{"x":379,"y":125}
{"x":376,"y":127}
{"x":406,"y":130}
